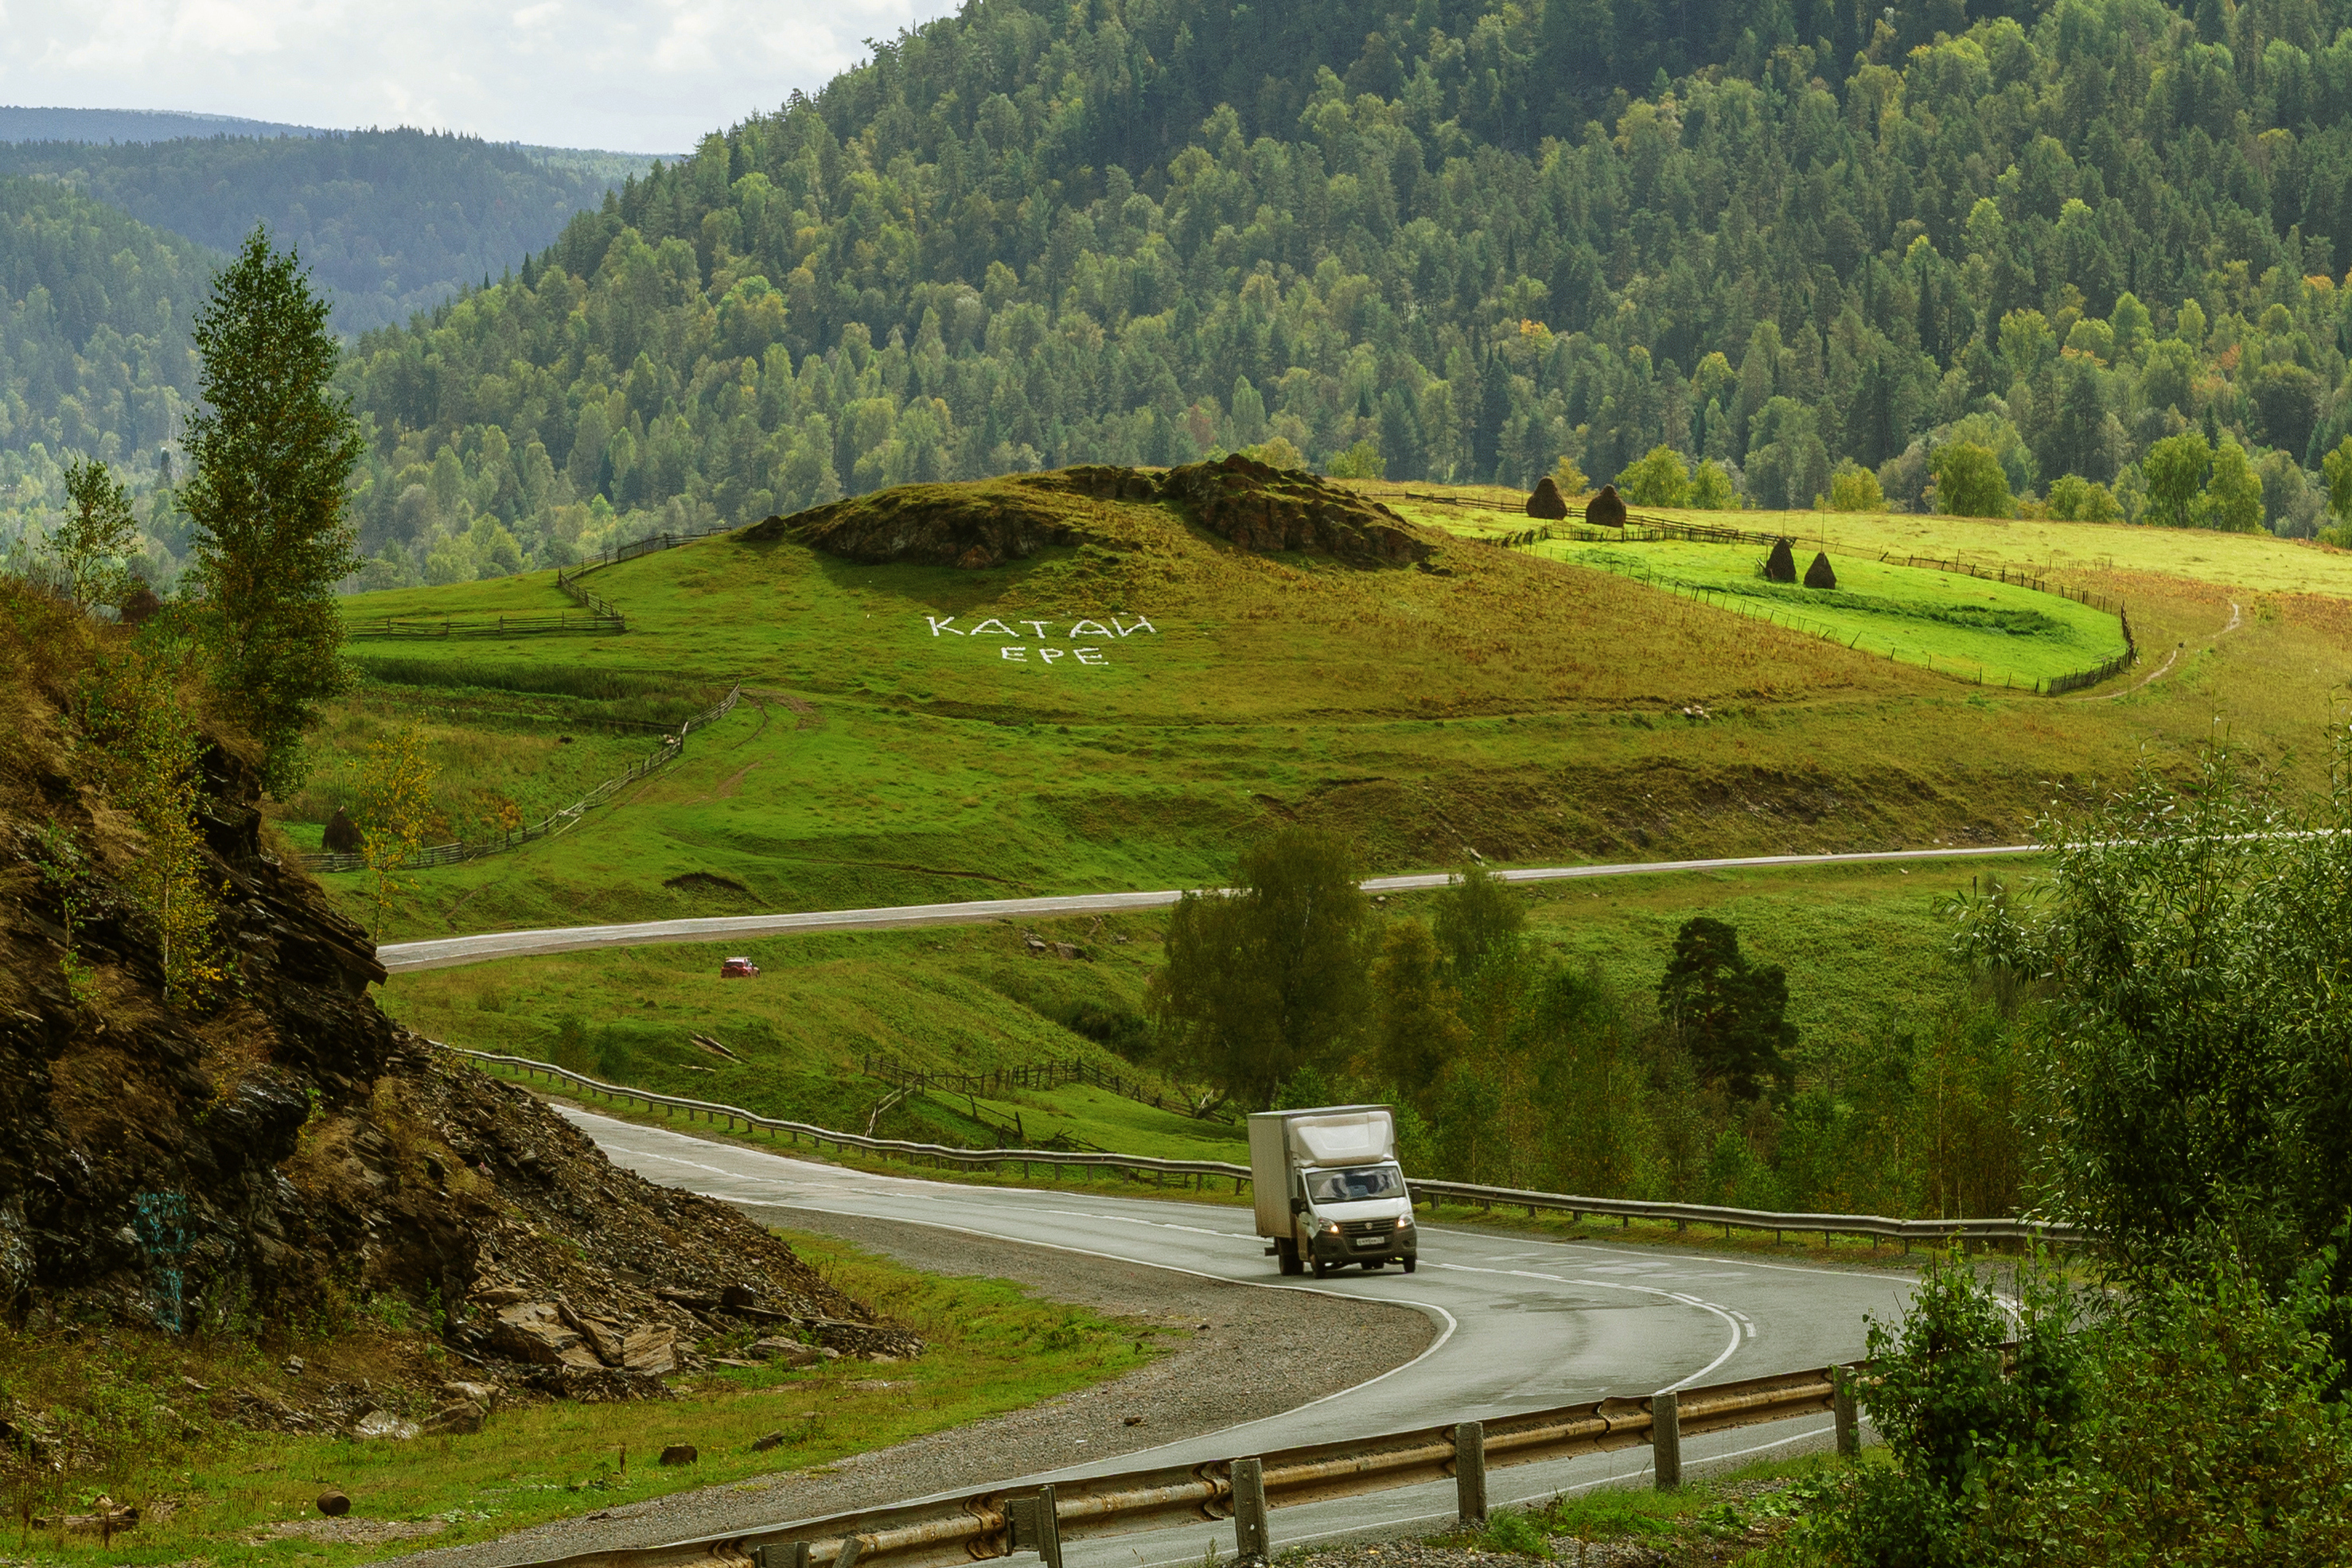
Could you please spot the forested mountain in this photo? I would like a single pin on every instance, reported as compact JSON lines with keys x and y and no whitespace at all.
{"x":94,"y":352}
{"x":21,"y":123}
{"x":391,"y":222}
{"x":1479,"y":235}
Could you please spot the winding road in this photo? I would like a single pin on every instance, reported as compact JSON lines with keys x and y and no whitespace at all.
{"x":451,"y":952}
{"x":1522,"y":1324}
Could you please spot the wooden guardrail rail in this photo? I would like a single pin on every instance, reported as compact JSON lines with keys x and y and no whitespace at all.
{"x":1468,"y":1193}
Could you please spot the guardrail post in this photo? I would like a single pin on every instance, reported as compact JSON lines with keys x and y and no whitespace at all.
{"x":1049,"y":1529}
{"x":1249,"y":1511}
{"x":1841,"y":1405}
{"x":852,"y":1548}
{"x":1470,"y":1471}
{"x":1665,"y":1441}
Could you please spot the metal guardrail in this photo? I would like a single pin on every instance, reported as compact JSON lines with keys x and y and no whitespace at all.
{"x":1468,"y":1193}
{"x":997,"y":1522}
{"x":673,"y":747}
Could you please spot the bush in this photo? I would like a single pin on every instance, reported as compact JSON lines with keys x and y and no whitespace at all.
{"x":1661,"y":478}
{"x":1971,"y":483}
{"x":2075,"y":499}
{"x":1854,"y":489}
{"x":1711,"y":489}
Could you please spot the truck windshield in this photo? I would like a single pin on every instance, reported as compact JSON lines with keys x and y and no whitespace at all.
{"x":1356,"y":1186}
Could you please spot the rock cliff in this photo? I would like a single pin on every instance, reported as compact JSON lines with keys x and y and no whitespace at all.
{"x":291,"y":1154}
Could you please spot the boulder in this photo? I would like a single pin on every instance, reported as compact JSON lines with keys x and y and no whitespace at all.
{"x":1820,"y":574}
{"x":1781,"y":566}
{"x":680,"y":1454}
{"x":457,"y":1418}
{"x":651,"y":1349}
{"x":485,"y":1395}
{"x":1607,"y":509}
{"x":535,"y":1332}
{"x":384,"y":1424}
{"x":1547,"y":503}
{"x":790,"y":1352}
{"x":602,"y":1336}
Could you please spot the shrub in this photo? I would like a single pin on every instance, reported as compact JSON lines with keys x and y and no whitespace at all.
{"x":2075,"y":499}
{"x":1971,"y":483}
{"x":1711,"y":489}
{"x":1854,"y":489}
{"x":1660,"y":479}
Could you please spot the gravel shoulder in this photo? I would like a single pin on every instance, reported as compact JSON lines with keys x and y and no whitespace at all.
{"x":1207,"y":1382}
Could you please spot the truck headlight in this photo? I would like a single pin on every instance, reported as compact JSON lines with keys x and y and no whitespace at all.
{"x":1332,"y":1228}
{"x":1404,"y":1222}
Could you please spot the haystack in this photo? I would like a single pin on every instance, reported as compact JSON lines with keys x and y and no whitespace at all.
{"x":1606,"y":509}
{"x":1547,"y":503}
{"x":343,"y":836}
{"x":1781,"y":566}
{"x":1819,"y":574}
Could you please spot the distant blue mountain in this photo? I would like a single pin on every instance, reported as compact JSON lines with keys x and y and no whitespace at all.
{"x":18,"y":123}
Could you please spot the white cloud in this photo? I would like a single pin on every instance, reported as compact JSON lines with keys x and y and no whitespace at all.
{"x":638,"y":74}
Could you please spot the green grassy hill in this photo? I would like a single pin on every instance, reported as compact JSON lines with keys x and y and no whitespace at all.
{"x":1523,"y":707}
{"x":1519,"y":707}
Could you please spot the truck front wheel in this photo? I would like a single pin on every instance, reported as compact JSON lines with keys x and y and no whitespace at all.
{"x":1410,"y":1263}
{"x":1285,"y":1253}
{"x":1322,"y":1268}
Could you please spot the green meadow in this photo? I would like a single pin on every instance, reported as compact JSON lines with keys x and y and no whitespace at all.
{"x":1862,"y":944}
{"x":1997,"y":633}
{"x":1528,"y":710}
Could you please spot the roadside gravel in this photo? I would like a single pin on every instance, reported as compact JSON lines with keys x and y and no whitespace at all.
{"x":1212,"y":1378}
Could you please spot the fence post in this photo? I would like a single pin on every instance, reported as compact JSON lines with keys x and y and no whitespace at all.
{"x":1470,"y":1472}
{"x":1841,"y":1404}
{"x":1249,"y":1511}
{"x":1666,"y":1440}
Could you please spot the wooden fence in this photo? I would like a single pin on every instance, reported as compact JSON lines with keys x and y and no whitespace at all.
{"x":673,"y":747}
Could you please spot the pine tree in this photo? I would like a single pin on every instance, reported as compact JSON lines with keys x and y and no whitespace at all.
{"x":273,"y":446}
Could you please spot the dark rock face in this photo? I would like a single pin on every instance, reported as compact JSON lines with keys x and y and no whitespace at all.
{"x":974,"y":528}
{"x":1546,"y":503}
{"x":1607,"y":509}
{"x":1781,"y":566}
{"x":1288,"y":509}
{"x":342,"y":834}
{"x":291,"y":1152}
{"x":1820,"y":574}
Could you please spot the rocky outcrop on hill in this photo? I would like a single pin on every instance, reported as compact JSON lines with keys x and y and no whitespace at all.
{"x":291,"y":1154}
{"x":985,"y":525}
{"x":1289,"y":509}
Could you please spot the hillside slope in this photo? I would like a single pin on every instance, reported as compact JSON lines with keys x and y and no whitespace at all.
{"x":285,"y":1156}
{"x":917,"y":732}
{"x":1464,"y":240}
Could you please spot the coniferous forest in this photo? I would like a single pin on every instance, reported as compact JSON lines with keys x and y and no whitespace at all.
{"x":1466,"y":239}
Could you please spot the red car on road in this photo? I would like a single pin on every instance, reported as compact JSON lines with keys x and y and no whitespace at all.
{"x":738,"y":969}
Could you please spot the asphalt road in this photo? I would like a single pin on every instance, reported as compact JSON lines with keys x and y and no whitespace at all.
{"x":449,"y":952}
{"x":1522,"y":1324}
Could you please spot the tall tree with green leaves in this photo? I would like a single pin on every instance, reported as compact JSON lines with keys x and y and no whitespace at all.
{"x":274,"y":446}
{"x":1270,"y":977}
{"x":97,"y":532}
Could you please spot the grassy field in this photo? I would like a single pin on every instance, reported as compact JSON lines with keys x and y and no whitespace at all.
{"x":1862,"y":947}
{"x":214,"y":1495}
{"x":1997,"y":633}
{"x":1528,"y":709}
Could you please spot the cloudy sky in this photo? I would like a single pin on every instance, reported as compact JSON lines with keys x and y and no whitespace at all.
{"x":638,"y":76}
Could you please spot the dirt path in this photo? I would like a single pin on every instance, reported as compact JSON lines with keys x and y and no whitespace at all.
{"x":1213,"y":1378}
{"x":2236,"y":619}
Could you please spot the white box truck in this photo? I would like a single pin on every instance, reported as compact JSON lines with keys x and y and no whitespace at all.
{"x":1328,"y":1188}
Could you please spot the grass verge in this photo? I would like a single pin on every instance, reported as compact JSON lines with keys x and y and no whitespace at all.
{"x":214,"y":1494}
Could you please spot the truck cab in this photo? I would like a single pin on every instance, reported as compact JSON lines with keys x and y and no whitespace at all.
{"x":1329,"y":1191}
